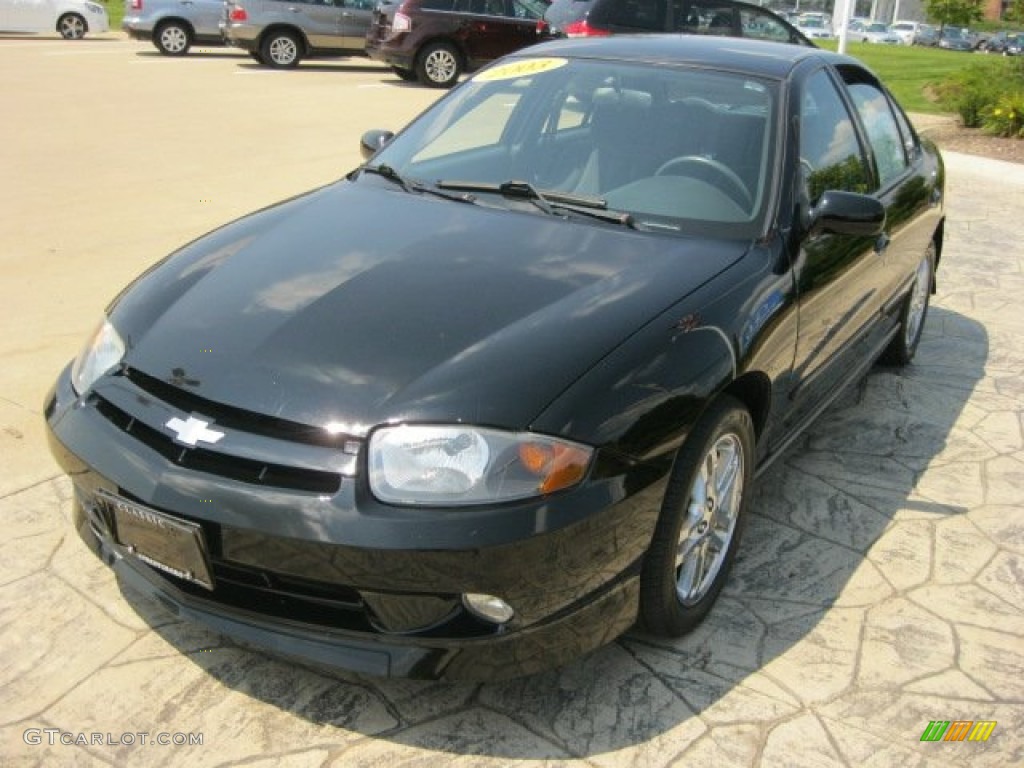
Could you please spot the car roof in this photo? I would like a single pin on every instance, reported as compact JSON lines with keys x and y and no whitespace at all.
{"x":754,"y":57}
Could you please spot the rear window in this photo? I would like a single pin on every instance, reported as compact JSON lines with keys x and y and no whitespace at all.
{"x":561,"y":13}
{"x":645,"y":15}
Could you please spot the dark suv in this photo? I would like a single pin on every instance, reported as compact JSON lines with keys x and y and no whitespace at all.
{"x":434,"y":41}
{"x":592,"y":18}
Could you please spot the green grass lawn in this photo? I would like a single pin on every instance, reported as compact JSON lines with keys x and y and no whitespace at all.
{"x":908,"y":71}
{"x":115,"y":10}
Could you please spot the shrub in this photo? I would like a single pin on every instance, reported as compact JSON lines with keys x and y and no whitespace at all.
{"x":1006,"y":117}
{"x":973,"y":91}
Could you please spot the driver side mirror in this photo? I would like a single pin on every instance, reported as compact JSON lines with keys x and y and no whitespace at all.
{"x":847,"y":213}
{"x":372,"y":141}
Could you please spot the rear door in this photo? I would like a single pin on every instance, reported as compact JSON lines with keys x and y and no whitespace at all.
{"x":497,"y":27}
{"x":356,"y":17}
{"x":205,"y":16}
{"x":320,"y":20}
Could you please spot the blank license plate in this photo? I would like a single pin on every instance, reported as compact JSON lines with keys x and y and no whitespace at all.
{"x":174,"y":546}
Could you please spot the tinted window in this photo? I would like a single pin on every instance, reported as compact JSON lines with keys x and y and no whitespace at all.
{"x":437,"y":5}
{"x":830,"y":154}
{"x":704,"y":18}
{"x":646,"y":15}
{"x":883,"y":133}
{"x":761,"y":26}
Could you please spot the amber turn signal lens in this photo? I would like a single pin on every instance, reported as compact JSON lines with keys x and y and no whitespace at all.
{"x":558,"y":466}
{"x":536,"y":457}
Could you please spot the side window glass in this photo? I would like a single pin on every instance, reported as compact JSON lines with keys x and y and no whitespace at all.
{"x":830,"y":155}
{"x":909,"y":137}
{"x":761,"y":26}
{"x":528,"y":9}
{"x":707,"y":18}
{"x":639,"y":14}
{"x":883,"y":133}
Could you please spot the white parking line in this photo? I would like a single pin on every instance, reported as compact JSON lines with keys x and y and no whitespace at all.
{"x":83,"y":53}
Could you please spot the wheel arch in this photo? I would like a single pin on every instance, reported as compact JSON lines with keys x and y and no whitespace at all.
{"x":454,"y":43}
{"x":754,"y":390}
{"x":938,"y":238}
{"x":174,"y":19}
{"x":69,"y":12}
{"x":291,"y":29}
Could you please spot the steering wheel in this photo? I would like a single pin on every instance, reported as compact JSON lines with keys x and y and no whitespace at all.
{"x":735,"y":188}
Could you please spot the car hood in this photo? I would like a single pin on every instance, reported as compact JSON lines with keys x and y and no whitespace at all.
{"x":360,"y":304}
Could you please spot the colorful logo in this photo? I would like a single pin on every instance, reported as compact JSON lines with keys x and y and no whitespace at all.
{"x":958,"y":730}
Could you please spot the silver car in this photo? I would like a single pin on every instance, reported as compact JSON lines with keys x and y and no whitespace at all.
{"x":174,"y":26}
{"x":281,"y":34}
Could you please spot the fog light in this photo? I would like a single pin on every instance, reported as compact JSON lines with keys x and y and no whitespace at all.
{"x":488,"y":607}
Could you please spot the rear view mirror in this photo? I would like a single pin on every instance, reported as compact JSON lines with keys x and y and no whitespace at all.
{"x":373,"y":141}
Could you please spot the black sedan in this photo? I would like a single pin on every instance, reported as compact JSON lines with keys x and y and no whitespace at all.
{"x":501,"y":392}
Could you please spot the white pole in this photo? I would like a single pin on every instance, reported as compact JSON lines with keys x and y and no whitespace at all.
{"x":845,"y":13}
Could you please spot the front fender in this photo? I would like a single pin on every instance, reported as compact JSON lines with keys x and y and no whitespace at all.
{"x":642,"y":399}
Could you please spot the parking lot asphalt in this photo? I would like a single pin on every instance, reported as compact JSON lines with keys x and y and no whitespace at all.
{"x":880,"y":585}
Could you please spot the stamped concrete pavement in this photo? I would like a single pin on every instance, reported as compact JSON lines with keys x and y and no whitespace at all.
{"x":880,"y":584}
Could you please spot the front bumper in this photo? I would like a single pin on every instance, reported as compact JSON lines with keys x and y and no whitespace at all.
{"x":333,"y":579}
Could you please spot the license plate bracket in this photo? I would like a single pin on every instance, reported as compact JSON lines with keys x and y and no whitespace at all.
{"x":170,"y":544}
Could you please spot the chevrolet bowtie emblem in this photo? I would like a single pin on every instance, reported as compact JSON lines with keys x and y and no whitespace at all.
{"x":192,"y":430}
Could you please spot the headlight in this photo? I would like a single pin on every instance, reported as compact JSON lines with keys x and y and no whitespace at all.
{"x":454,"y":465}
{"x":101,"y":352}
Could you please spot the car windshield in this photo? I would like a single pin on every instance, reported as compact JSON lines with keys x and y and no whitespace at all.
{"x":661,"y":148}
{"x":878,"y":27}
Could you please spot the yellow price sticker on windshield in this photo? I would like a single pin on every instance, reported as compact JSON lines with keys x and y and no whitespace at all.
{"x":520,"y":68}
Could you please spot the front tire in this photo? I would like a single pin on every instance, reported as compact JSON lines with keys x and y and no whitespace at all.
{"x":408,"y":75}
{"x":702,"y":519}
{"x":903,"y":346}
{"x":72,"y":26}
{"x":439,"y":65}
{"x":281,"y":50}
{"x":172,"y":39}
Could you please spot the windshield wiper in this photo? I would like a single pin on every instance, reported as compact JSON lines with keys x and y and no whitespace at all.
{"x":548,"y":200}
{"x":410,"y":186}
{"x":526,"y":190}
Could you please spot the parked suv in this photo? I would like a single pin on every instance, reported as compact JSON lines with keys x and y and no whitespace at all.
{"x":587,"y":18}
{"x":174,"y":26}
{"x":434,"y":41}
{"x":281,"y":34}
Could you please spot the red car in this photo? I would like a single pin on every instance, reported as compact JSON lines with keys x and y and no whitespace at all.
{"x":434,"y":41}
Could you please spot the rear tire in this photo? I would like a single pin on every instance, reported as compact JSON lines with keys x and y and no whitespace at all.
{"x":903,"y":346}
{"x":439,"y":65}
{"x":72,"y":26}
{"x":701,"y":522}
{"x":172,"y":38}
{"x":281,"y":50}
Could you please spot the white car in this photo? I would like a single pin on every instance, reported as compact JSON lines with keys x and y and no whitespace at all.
{"x":814,"y":27}
{"x":72,"y":18}
{"x":872,"y":32}
{"x":906,"y":31}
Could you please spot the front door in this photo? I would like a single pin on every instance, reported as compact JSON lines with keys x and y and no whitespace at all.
{"x":839,"y":278}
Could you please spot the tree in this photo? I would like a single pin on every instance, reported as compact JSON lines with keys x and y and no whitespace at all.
{"x":957,"y":13}
{"x":1015,"y":12}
